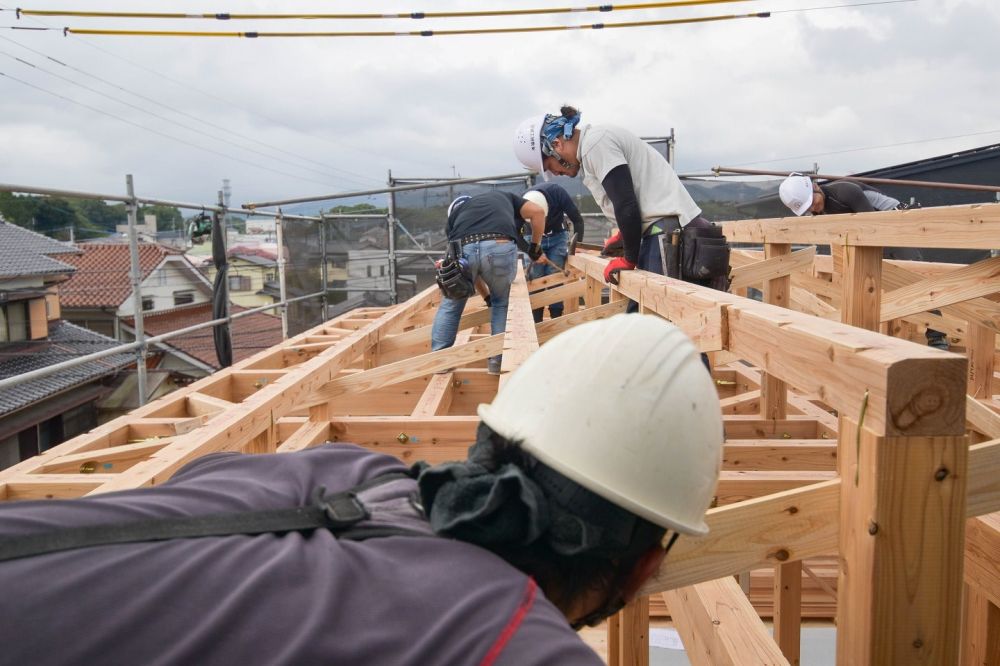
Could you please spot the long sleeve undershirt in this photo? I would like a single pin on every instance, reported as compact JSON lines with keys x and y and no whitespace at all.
{"x":621,"y":192}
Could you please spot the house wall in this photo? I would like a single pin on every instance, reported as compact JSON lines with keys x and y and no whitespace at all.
{"x":162,"y":285}
{"x":258,"y":274}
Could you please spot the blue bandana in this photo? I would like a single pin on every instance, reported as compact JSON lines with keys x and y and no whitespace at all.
{"x":557,"y":127}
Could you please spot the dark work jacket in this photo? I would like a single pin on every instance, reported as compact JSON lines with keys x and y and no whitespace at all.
{"x":843,"y":196}
{"x":560,"y":204}
{"x":267,"y":599}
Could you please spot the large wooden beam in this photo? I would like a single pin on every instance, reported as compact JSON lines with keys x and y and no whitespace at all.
{"x":972,"y":226}
{"x":979,"y":279}
{"x":520,"y":339}
{"x":719,"y":626}
{"x":780,"y":264}
{"x":981,"y":311}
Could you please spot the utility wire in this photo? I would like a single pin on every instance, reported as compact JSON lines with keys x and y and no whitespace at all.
{"x":346,"y":177}
{"x":162,"y":117}
{"x":226,"y":16}
{"x":414,"y":33}
{"x":157,"y":132}
{"x":249,"y":111}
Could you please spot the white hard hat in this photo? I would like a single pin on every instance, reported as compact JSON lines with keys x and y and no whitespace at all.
{"x":536,"y":197}
{"x":624,"y":407}
{"x":796,"y":192}
{"x":528,"y":143}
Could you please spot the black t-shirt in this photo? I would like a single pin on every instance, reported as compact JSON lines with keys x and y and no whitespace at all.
{"x":487,"y":213}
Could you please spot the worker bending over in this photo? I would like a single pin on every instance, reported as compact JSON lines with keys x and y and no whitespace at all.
{"x":802,"y":195}
{"x":556,"y":239}
{"x":585,"y":469}
{"x":485,"y":227}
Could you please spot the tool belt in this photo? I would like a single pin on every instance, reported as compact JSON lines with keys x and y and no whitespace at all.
{"x":453,"y":276}
{"x":475,"y":238}
{"x":697,"y":252}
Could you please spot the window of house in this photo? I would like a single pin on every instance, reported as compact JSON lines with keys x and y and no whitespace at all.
{"x":369,"y":270}
{"x":239,"y":283}
{"x":183,"y":297}
{"x":14,"y":322}
{"x":381,"y":271}
{"x":269,"y":277}
{"x":147,"y":303}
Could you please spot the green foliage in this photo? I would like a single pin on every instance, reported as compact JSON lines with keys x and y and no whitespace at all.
{"x":358,"y":209}
{"x":168,"y":218}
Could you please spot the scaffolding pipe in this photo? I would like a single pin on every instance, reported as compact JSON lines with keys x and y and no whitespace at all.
{"x":131,"y":346}
{"x":865,"y":179}
{"x":322,"y":240}
{"x":384,"y":190}
{"x":72,"y":194}
{"x":391,"y":224}
{"x":136,"y":276}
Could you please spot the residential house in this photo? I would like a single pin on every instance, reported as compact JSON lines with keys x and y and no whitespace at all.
{"x":249,"y":269}
{"x":39,"y":413}
{"x":99,"y":294}
{"x":193,"y":354}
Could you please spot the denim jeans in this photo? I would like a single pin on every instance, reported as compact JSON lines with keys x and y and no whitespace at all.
{"x":496,"y":263}
{"x":556,"y":249}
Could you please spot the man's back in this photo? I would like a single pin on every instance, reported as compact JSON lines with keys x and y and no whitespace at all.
{"x":272,"y":598}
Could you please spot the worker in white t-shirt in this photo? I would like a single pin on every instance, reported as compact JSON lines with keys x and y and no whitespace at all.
{"x":637,"y":189}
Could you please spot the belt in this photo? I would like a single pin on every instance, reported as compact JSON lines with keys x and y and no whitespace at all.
{"x":475,"y":238}
{"x":663,"y":225}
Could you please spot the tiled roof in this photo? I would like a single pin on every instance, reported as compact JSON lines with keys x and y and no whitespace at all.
{"x":24,"y":252}
{"x":65,"y":341}
{"x":103,"y":277}
{"x":250,"y":334}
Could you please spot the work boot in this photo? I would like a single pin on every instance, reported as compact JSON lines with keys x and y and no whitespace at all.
{"x":494,"y":365}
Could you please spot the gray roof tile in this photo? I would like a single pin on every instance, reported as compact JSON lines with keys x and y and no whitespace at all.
{"x":24,"y":252}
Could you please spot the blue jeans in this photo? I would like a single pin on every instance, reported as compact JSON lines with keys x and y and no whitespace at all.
{"x":496,"y":263}
{"x":556,"y":249}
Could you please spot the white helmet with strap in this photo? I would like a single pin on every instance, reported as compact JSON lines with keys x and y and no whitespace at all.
{"x":624,"y":407}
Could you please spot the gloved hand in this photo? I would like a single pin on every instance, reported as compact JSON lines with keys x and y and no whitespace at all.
{"x":535,"y":251}
{"x":614,"y":246}
{"x":615,"y":267}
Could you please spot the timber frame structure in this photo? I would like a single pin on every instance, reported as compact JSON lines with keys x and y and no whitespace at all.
{"x":861,"y":476}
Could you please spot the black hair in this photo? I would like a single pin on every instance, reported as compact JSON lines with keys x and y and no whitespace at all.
{"x":568,"y":111}
{"x":566,"y":578}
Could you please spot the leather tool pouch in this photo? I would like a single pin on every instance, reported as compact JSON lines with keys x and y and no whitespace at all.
{"x":704,"y":255}
{"x":453,"y":276}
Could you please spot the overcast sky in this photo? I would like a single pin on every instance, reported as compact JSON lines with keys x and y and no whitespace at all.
{"x":851,"y":89}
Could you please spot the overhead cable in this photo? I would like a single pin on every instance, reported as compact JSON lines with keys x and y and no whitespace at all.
{"x":226,"y":16}
{"x":413,"y":33}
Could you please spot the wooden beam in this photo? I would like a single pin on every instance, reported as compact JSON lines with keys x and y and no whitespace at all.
{"x":982,"y":552}
{"x":520,"y":339}
{"x":547,"y":330}
{"x":780,"y":454}
{"x":411,"y":368}
{"x":972,"y":226}
{"x":781,"y":264}
{"x":979,"y":279}
{"x":981,"y":311}
{"x":984,"y":482}
{"x":785,"y":527}
{"x":634,"y":645}
{"x":309,"y":434}
{"x":719,"y":627}
{"x":982,"y":418}
{"x":980,"y":347}
{"x":862,"y":287}
{"x":902,"y":519}
{"x":787,"y":617}
{"x":436,"y":398}
{"x":980,"y":630}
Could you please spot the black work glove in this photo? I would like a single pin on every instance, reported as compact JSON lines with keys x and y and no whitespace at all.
{"x":535,"y":251}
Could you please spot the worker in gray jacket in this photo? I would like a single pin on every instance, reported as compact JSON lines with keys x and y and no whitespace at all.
{"x":581,"y":477}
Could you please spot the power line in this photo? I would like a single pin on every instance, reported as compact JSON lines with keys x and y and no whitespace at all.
{"x":252,"y":112}
{"x":157,"y":132}
{"x":225,"y":16}
{"x":414,"y":33}
{"x":196,"y":118}
{"x":157,"y":115}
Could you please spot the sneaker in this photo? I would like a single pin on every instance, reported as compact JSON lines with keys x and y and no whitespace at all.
{"x":494,"y":366}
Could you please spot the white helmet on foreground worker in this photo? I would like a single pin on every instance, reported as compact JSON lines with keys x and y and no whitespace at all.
{"x":796,"y":192}
{"x":625,"y":408}
{"x":537,"y":198}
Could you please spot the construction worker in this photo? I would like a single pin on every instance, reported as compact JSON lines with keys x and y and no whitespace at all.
{"x":635,"y":187}
{"x":802,"y":195}
{"x":486,"y":228}
{"x":582,"y":476}
{"x":555,"y":241}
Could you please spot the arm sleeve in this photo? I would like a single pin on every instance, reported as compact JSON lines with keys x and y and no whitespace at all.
{"x":621,"y":192}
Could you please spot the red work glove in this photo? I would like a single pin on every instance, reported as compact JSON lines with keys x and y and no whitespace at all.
{"x":615,"y":267}
{"x":614,"y":246}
